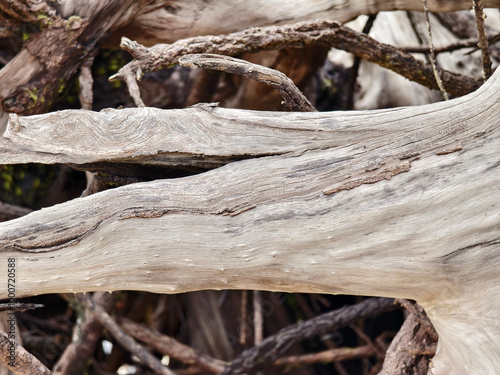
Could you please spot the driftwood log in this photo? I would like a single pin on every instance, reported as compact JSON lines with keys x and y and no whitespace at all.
{"x":50,"y":58}
{"x":401,"y":202}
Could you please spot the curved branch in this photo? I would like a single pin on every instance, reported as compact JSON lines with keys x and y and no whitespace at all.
{"x":292,"y":97}
{"x":295,"y":36}
{"x":276,"y":345}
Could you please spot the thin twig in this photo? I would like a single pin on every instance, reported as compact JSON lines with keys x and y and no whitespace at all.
{"x":292,"y":97}
{"x":18,"y":306}
{"x":332,"y":355}
{"x":258,"y":324}
{"x":171,"y":347}
{"x":433,"y":56}
{"x":339,"y":367}
{"x":243,"y":318}
{"x":468,"y":43}
{"x":293,"y":36}
{"x":128,"y":342}
{"x":483,"y":38}
{"x":133,"y":88}
{"x":363,"y":336}
{"x":274,"y":346}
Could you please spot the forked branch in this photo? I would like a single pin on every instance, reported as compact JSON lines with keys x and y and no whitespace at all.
{"x":293,"y":36}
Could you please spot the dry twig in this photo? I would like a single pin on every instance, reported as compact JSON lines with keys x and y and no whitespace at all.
{"x":292,"y":97}
{"x":171,"y":347}
{"x":18,"y":306}
{"x":332,"y":355}
{"x":133,"y":88}
{"x":243,"y":317}
{"x":439,"y":82}
{"x":483,"y":38}
{"x":258,"y":324}
{"x":274,"y":346}
{"x":468,"y":43}
{"x":377,"y":350}
{"x":293,"y":36}
{"x":128,"y":342}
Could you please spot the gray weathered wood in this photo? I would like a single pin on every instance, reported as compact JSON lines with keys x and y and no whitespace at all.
{"x":201,"y":136}
{"x":158,"y":23}
{"x":400,"y":203}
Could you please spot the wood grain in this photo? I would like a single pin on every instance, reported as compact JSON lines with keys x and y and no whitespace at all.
{"x":429,"y":233}
{"x":158,"y":23}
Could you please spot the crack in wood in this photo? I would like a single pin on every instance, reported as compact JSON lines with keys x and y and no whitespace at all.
{"x":232,"y":213}
{"x":56,"y":245}
{"x":385,"y":174}
{"x":450,"y":150}
{"x":461,"y":251}
{"x":144,"y":213}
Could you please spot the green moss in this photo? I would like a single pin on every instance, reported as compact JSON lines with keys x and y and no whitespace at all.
{"x":33,"y":93}
{"x":26,"y":36}
{"x":62,"y":86}
{"x":71,"y":20}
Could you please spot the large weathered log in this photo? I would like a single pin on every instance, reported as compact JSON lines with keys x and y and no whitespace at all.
{"x":158,"y":23}
{"x":400,"y":203}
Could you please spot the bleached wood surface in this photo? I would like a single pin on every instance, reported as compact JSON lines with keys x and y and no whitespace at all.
{"x":164,"y":21}
{"x":312,"y":220}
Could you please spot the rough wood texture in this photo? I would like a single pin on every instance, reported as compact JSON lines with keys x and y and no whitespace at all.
{"x":399,"y":203}
{"x":204,"y":136}
{"x":167,"y":21}
{"x":293,"y":36}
